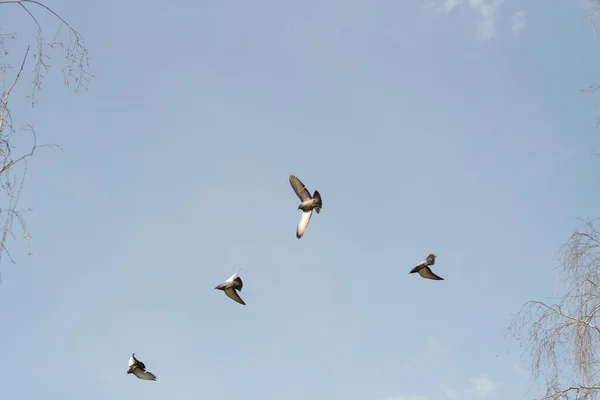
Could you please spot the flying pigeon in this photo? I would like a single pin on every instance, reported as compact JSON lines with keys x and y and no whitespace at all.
{"x":138,"y":368}
{"x":308,"y":204}
{"x":231,"y":286}
{"x":423,"y":268}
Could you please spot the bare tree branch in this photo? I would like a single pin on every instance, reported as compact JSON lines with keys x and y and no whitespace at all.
{"x":75,"y":52}
{"x":563,"y":393}
{"x":561,"y":338}
{"x":13,"y":163}
{"x":5,"y":96}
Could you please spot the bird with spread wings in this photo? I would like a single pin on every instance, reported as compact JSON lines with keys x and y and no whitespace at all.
{"x":138,"y":368}
{"x":307,"y":205}
{"x":423,"y":268}
{"x":231,"y":286}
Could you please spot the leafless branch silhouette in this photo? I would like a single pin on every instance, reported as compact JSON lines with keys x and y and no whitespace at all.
{"x":562,"y":337}
{"x":13,"y":159}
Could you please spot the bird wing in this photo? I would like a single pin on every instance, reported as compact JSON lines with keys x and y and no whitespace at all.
{"x":417,"y":267}
{"x":145,"y":375}
{"x":425,"y":272}
{"x":233,"y":294}
{"x":131,"y":361}
{"x":303,"y":223}
{"x":232,"y":277}
{"x":299,"y":188}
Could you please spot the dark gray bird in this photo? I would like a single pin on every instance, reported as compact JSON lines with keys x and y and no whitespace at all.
{"x":138,"y":368}
{"x":307,"y":205}
{"x":423,"y":268}
{"x":231,"y":286}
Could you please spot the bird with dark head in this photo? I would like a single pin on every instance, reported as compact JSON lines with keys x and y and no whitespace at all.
{"x":307,"y":205}
{"x":423,"y":268}
{"x":231,"y":286}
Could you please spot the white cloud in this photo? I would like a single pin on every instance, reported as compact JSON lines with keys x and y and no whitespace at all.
{"x":434,"y":346}
{"x":432,"y":353}
{"x":404,"y":398}
{"x":483,"y":384}
{"x":462,"y":394}
{"x":518,"y":21}
{"x":520,"y":370}
{"x":484,"y":11}
{"x":449,"y":5}
{"x":428,"y":4}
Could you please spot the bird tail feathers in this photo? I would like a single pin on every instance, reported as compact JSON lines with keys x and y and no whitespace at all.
{"x":319,"y":201}
{"x":238,"y":283}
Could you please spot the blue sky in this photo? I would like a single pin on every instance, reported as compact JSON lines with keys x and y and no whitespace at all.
{"x":439,"y":126}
